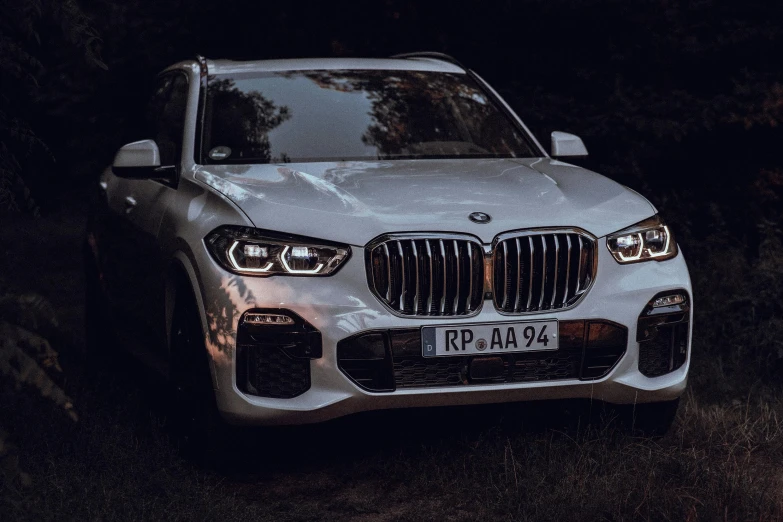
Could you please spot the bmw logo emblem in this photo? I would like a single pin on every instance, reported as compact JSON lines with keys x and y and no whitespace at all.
{"x":480,"y":217}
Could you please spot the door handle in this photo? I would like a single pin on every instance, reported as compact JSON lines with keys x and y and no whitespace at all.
{"x":130,"y":203}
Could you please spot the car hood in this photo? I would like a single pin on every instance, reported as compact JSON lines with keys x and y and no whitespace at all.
{"x":354,"y":202}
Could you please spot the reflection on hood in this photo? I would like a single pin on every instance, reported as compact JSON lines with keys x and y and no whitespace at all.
{"x":354,"y":202}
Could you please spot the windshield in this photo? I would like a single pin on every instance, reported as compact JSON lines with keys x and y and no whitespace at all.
{"x":343,"y":115}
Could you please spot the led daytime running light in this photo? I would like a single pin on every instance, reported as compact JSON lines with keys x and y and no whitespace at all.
{"x":258,"y":319}
{"x":637,"y":256}
{"x":236,"y":265}
{"x":665,"y":250}
{"x":648,"y":240}
{"x":668,"y":300}
{"x":291,"y":270}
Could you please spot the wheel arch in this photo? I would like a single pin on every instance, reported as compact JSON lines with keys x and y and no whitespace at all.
{"x":182,"y":281}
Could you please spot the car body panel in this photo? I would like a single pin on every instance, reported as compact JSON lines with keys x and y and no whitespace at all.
{"x":354,"y":202}
{"x":139,"y":261}
{"x":342,"y":305}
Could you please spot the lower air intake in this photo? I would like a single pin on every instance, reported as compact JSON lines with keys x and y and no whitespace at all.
{"x":386,"y":360}
{"x":273,"y":359}
{"x":662,"y":333}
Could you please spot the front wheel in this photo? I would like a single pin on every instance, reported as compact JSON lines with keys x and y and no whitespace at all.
{"x":200,"y":428}
{"x":99,"y":340}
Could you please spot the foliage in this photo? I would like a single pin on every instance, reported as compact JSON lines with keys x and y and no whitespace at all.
{"x":739,"y":285}
{"x":721,"y":462}
{"x":27,"y":40}
{"x":25,"y":358}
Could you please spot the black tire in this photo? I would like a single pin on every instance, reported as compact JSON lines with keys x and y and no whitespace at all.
{"x":650,"y":419}
{"x":202,"y":433}
{"x":100,"y":345}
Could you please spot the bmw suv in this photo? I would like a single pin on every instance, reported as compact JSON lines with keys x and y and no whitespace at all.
{"x":297,"y":240}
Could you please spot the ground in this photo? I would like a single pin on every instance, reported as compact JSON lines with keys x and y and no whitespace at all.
{"x":722,"y":460}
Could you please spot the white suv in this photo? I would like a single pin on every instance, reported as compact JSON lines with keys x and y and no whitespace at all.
{"x":297,"y":240}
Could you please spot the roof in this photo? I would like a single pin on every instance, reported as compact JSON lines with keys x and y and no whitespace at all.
{"x":305,"y":64}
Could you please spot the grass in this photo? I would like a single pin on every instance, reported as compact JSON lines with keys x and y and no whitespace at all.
{"x":723,"y":460}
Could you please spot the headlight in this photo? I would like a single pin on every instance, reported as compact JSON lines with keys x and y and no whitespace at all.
{"x":650,"y":239}
{"x":248,"y":251}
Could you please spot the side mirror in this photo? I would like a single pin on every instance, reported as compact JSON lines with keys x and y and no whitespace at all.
{"x":138,"y":160}
{"x":567,"y":145}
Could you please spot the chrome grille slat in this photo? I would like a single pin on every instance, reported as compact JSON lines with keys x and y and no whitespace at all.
{"x":579,"y":266}
{"x":388,"y":268}
{"x":530,"y":291}
{"x":519,"y":274}
{"x":568,"y":270}
{"x":456,"y":265}
{"x":444,"y":275}
{"x":431,"y":278}
{"x":552,"y":279}
{"x":445,"y":282}
{"x":543,"y":273}
{"x":402,"y":265}
{"x":427,"y":275}
{"x":416,"y":285}
{"x":557,"y":260}
{"x":470,"y":277}
{"x":505,"y":274}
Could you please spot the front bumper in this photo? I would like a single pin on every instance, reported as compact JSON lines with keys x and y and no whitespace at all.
{"x":342,"y":305}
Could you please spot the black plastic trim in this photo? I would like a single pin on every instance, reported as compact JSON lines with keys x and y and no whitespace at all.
{"x":443,"y":57}
{"x":282,"y":336}
{"x":388,"y":237}
{"x":663,"y":334}
{"x":404,"y":344}
{"x":277,"y":355}
{"x":198,"y":155}
{"x":586,"y":348}
{"x":165,"y":174}
{"x":386,"y":383}
{"x":659,"y":316}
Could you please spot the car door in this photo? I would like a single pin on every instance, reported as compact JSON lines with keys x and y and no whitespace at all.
{"x":135,"y":272}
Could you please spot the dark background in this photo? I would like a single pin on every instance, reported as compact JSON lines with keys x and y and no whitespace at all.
{"x":676,"y":99}
{"x":681,"y":101}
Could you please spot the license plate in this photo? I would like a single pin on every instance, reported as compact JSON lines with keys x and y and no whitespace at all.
{"x":491,"y":338}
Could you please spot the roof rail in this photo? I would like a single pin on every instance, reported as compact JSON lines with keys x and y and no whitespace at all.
{"x":202,"y":64}
{"x":433,"y":55}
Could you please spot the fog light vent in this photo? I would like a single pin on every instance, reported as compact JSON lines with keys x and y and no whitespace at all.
{"x":662,"y":333}
{"x":274,"y":349}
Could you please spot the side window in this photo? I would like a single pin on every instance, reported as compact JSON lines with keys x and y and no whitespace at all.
{"x":166,"y":117}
